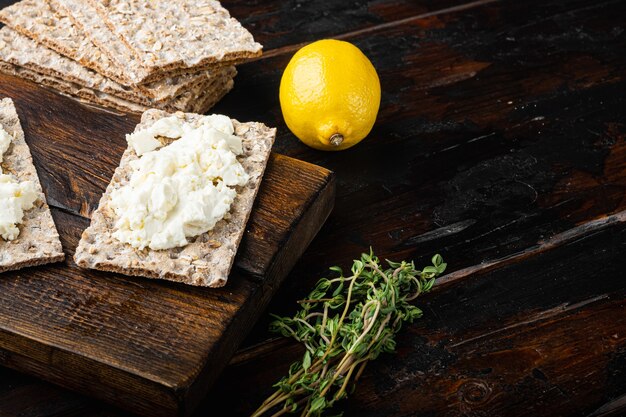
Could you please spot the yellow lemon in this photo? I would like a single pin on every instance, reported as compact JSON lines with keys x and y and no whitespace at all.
{"x":329,"y":95}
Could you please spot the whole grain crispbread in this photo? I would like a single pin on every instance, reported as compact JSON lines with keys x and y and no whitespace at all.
{"x":198,"y":100}
{"x":37,"y":20}
{"x":38,"y":242}
{"x":85,"y":18}
{"x":208,"y":258}
{"x":53,"y":29}
{"x":198,"y":33}
{"x":201,"y":105}
{"x":22,"y":51}
{"x":123,"y":63}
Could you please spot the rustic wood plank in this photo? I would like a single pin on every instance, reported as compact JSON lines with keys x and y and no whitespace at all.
{"x":50,"y":401}
{"x":500,"y":127}
{"x":277,"y":24}
{"x":45,"y":399}
{"x":450,"y":143}
{"x":540,"y":327}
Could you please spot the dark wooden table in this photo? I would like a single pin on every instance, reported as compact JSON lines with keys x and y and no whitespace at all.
{"x":501,"y":144}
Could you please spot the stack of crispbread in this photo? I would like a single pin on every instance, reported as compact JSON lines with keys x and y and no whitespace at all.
{"x":130,"y":55}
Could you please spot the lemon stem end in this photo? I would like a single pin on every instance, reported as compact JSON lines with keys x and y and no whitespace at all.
{"x":336,"y":139}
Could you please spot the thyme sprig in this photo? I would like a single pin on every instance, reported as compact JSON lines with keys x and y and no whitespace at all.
{"x":344,"y":323}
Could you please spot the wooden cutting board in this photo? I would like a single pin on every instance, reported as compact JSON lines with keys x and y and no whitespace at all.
{"x":148,"y":346}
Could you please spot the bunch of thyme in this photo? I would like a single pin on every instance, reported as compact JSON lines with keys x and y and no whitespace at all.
{"x":344,"y":323}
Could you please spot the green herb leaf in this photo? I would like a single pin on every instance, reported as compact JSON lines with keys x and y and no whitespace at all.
{"x":317,"y":404}
{"x":306,"y":361}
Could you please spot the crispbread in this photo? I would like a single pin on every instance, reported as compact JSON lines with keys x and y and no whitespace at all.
{"x":72,"y":90}
{"x":198,"y":100}
{"x":84,"y":17}
{"x":19,"y":50}
{"x":207,"y":260}
{"x":37,"y":20}
{"x":38,"y":242}
{"x":198,"y":33}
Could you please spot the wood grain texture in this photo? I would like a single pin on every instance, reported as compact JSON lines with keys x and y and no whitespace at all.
{"x":484,"y":146}
{"x":523,"y":342}
{"x":501,"y":143}
{"x":279,"y":25}
{"x":501,"y":128}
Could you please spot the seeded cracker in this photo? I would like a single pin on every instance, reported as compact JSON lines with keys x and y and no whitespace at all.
{"x":46,"y":67}
{"x":198,"y":100}
{"x":84,"y":17}
{"x":207,"y":260}
{"x":39,"y":21}
{"x":198,"y":33}
{"x":38,"y":242}
{"x":87,"y":20}
{"x":21,"y":51}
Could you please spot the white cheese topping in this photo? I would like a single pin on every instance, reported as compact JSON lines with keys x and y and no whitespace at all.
{"x":5,"y":141}
{"x":15,"y":197}
{"x":180,"y":190}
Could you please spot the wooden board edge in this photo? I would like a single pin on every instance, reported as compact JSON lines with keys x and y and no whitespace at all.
{"x":316,"y":213}
{"x":52,"y":364}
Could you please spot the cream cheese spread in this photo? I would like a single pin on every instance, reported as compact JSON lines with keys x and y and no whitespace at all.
{"x":180,"y":190}
{"x":15,"y":197}
{"x":5,"y":141}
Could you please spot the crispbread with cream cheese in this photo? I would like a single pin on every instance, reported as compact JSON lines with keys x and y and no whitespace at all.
{"x":38,"y":20}
{"x":198,"y":100}
{"x":198,"y":34}
{"x":208,"y":258}
{"x":38,"y":242}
